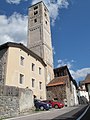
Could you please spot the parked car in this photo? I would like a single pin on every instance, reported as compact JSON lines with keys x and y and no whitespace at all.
{"x":41,"y":105}
{"x":54,"y":104}
{"x":50,"y":105}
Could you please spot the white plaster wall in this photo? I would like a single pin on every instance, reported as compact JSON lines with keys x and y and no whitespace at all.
{"x":83,"y":93}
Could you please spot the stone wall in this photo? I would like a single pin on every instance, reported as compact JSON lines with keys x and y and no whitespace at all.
{"x":3,"y":59}
{"x":14,"y":101}
{"x":57,"y":92}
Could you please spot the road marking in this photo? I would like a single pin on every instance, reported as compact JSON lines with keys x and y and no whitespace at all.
{"x":83,"y":113}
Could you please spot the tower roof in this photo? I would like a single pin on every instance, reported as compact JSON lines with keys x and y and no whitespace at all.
{"x":39,"y":3}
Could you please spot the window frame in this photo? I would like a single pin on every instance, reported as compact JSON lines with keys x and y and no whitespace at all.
{"x":21,"y":78}
{"x":40,"y":70}
{"x":35,"y":12}
{"x":40,"y":85}
{"x":35,"y":7}
{"x":33,"y":67}
{"x":33,"y":82}
{"x":35,"y":20}
{"x":22,"y":60}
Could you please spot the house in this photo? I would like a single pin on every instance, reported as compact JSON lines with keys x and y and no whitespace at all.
{"x":63,"y":87}
{"x":22,"y":68}
{"x":82,"y":93}
{"x":87,"y":84}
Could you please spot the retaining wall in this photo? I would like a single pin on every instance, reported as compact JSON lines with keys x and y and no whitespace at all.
{"x":14,"y":101}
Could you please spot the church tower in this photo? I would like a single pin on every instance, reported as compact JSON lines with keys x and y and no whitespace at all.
{"x":39,"y":36}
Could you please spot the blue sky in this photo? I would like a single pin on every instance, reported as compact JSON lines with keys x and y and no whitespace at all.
{"x":70,"y":28}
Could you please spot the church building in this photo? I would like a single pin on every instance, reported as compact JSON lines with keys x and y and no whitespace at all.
{"x":32,"y":66}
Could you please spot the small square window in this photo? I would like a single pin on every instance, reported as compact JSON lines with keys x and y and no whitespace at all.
{"x":36,"y":7}
{"x":46,"y":22}
{"x":21,"y":78}
{"x":39,"y":70}
{"x":33,"y":67}
{"x":35,"y":20}
{"x":22,"y":60}
{"x":36,"y":12}
{"x":33,"y":82}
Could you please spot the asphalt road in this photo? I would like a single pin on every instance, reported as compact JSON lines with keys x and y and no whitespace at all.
{"x":66,"y":113}
{"x":87,"y":115}
{"x":44,"y":115}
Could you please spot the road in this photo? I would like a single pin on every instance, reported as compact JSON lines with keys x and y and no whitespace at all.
{"x":66,"y":113}
{"x":43,"y":115}
{"x":87,"y":115}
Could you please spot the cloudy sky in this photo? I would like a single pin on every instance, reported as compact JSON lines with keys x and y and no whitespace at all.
{"x":70,"y":28}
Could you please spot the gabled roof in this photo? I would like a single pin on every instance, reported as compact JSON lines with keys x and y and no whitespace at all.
{"x":24,"y":48}
{"x":87,"y":79}
{"x":58,"y":81}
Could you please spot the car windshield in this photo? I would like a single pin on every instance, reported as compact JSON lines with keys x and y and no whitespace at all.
{"x":37,"y":100}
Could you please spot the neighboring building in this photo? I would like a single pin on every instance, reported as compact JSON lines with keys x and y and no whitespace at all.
{"x":63,"y":87}
{"x":22,"y":68}
{"x":87,"y":84}
{"x":82,"y":93}
{"x":39,"y":36}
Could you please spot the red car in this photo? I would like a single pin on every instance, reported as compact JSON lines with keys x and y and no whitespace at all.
{"x":54,"y":104}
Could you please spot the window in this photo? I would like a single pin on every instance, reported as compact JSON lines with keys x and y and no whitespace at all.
{"x":33,"y":67}
{"x":22,"y":60}
{"x":46,"y":22}
{"x":33,"y":82}
{"x":40,"y":85}
{"x":39,"y":70}
{"x":21,"y":78}
{"x":62,"y":73}
{"x":45,"y":14}
{"x":35,"y":20}
{"x":36,"y":12}
{"x":45,"y":9}
{"x":36,"y":7}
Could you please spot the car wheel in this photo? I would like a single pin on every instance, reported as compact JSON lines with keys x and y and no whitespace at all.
{"x":41,"y":108}
{"x":56,"y":106}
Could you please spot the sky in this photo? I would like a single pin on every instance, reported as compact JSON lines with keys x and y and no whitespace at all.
{"x":70,"y":30}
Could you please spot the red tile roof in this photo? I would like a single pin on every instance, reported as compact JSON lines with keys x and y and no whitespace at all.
{"x":58,"y":81}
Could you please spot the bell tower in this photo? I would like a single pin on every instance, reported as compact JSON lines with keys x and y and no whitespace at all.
{"x":39,"y":36}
